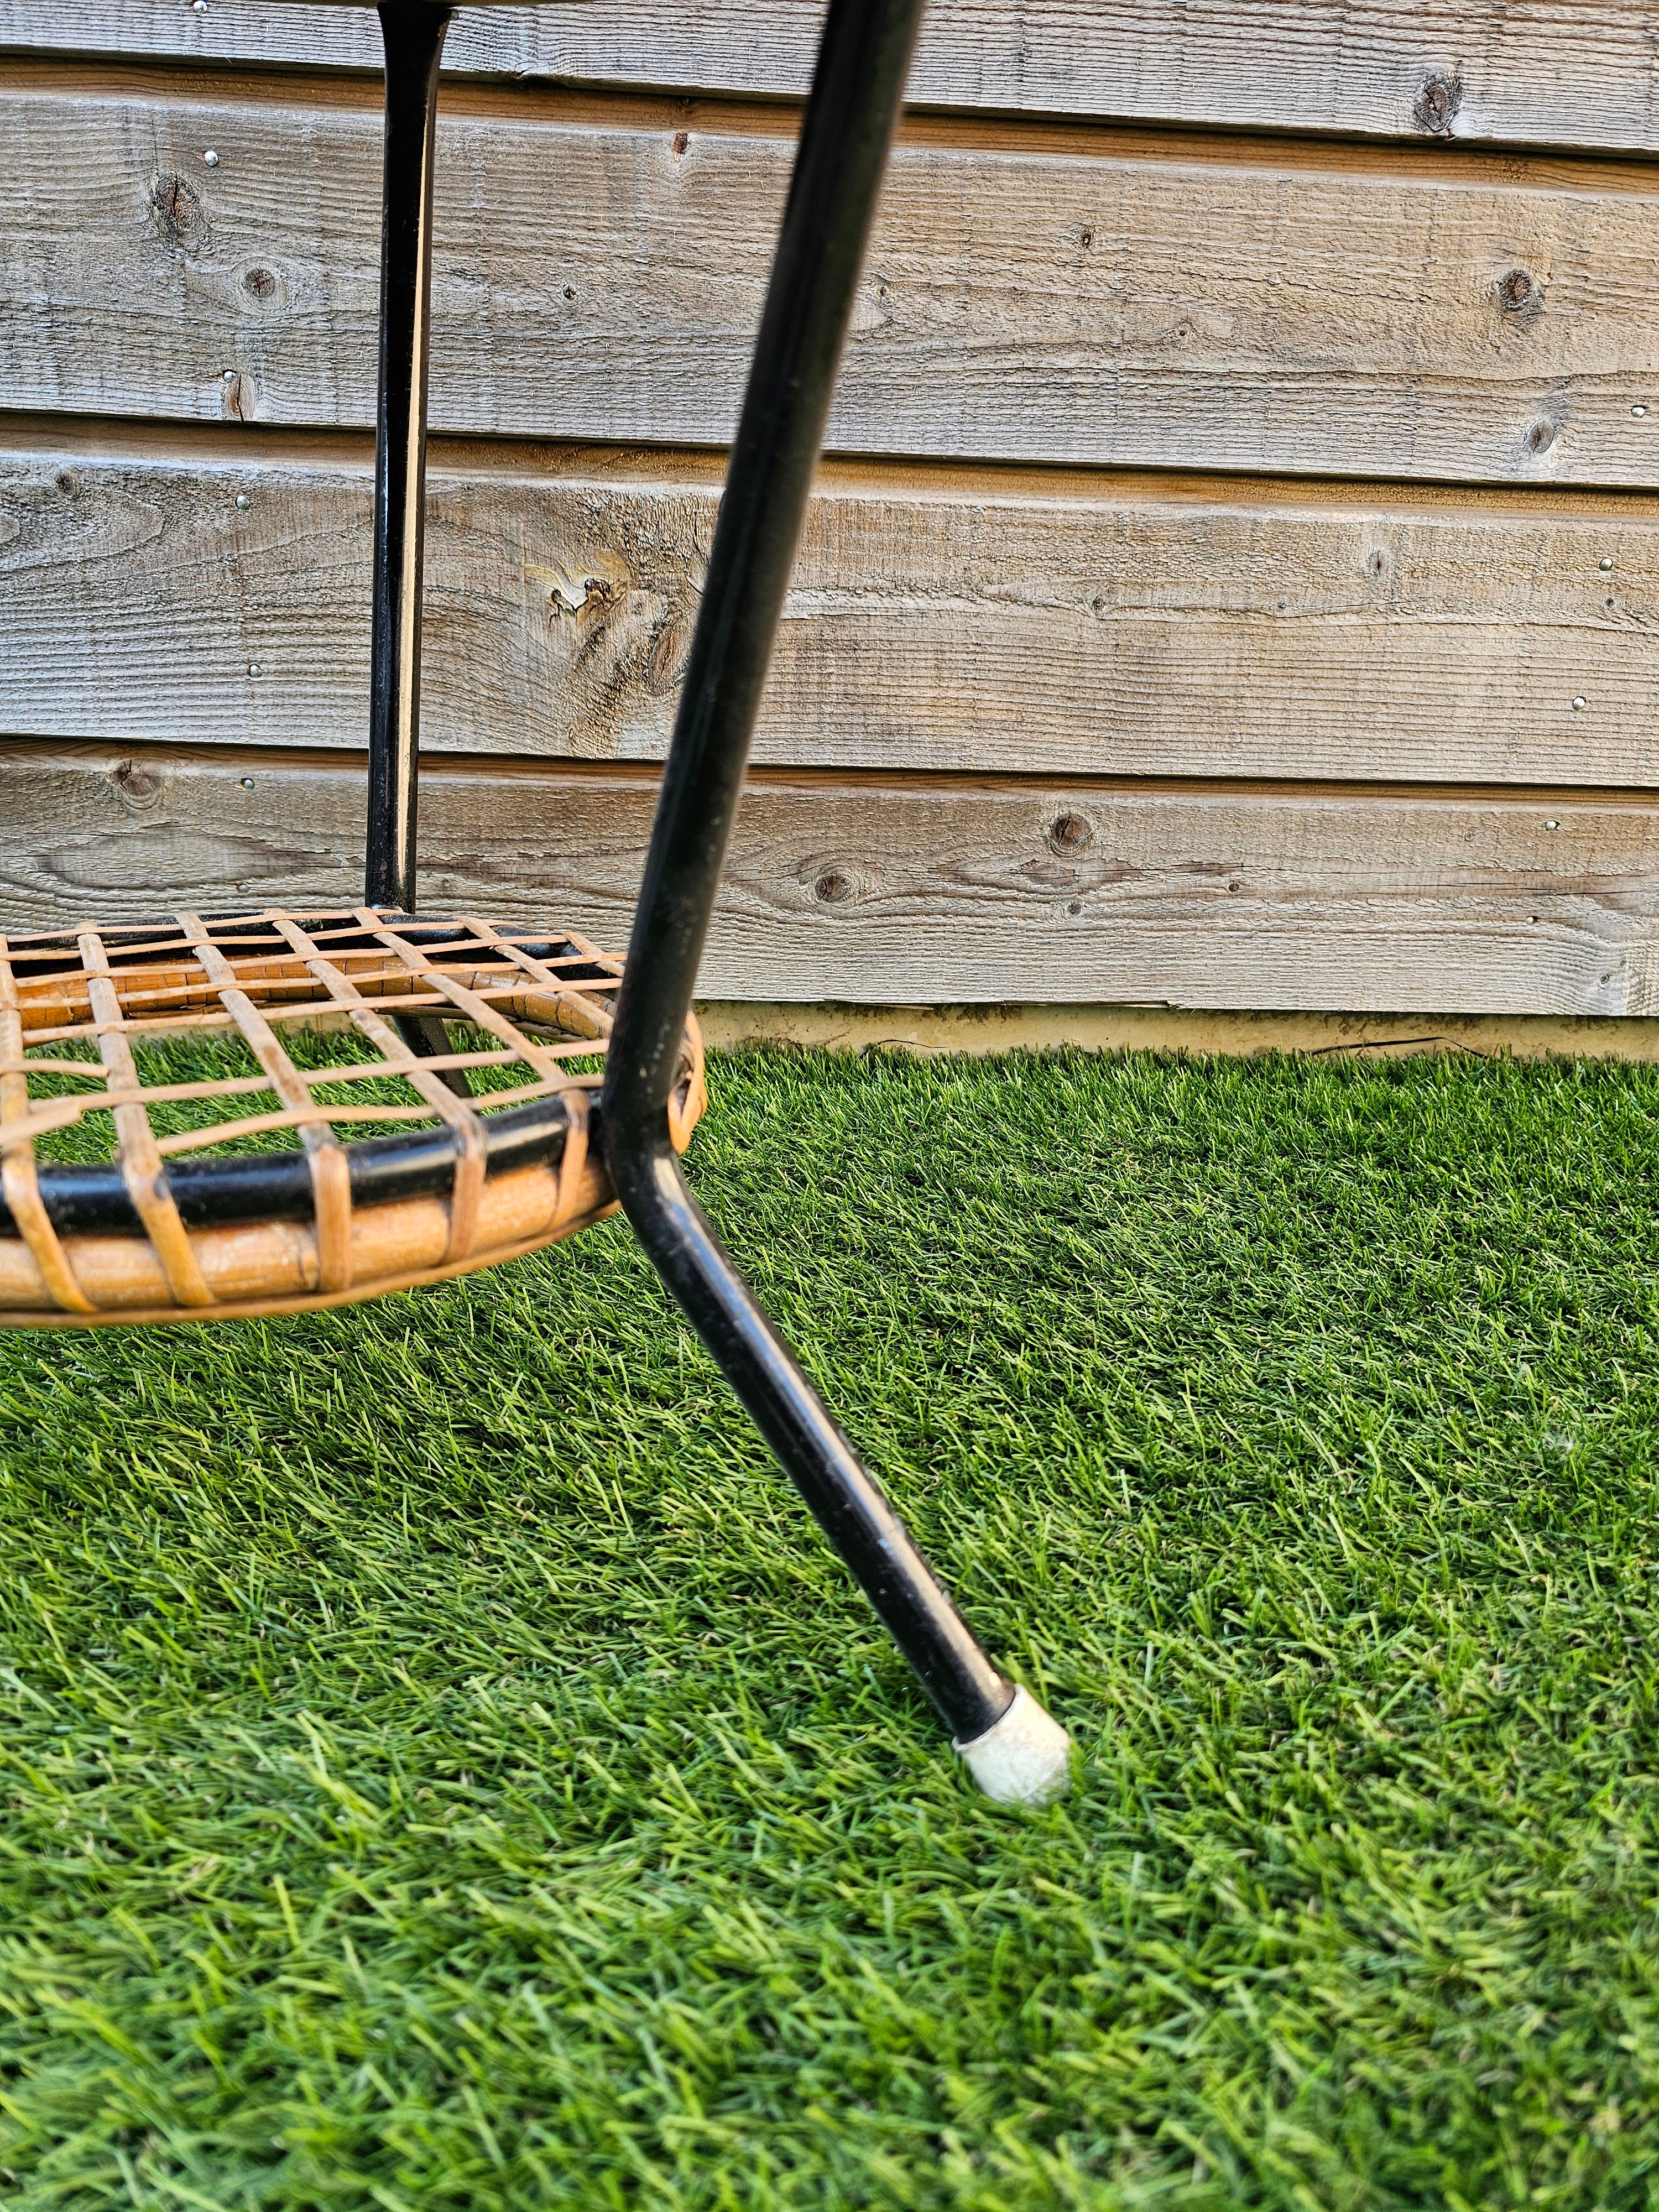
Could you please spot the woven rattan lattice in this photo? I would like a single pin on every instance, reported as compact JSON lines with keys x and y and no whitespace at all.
{"x":265,"y":1112}
{"x":407,"y":1168}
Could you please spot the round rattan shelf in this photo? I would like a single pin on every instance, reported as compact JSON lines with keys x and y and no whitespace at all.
{"x":150,"y":1072}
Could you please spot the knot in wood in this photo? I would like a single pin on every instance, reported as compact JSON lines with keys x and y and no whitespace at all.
{"x":138,"y":787}
{"x":181,"y":219}
{"x":832,"y":888}
{"x":1437,"y":102}
{"x":1516,"y":291}
{"x":1069,"y":833}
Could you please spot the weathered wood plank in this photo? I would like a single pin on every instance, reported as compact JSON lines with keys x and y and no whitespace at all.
{"x":1541,"y":72}
{"x":1038,"y":305}
{"x":930,"y":890}
{"x":1112,"y":628}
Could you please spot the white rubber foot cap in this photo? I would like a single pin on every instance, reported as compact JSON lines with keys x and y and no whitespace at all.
{"x":1024,"y":1758}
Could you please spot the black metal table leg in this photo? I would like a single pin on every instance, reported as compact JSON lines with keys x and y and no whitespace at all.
{"x":1015,"y":1751}
{"x":412,"y":32}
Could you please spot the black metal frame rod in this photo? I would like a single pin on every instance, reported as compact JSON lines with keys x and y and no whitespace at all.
{"x":850,"y":118}
{"x":413,"y":33}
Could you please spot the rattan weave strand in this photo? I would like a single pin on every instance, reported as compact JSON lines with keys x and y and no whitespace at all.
{"x":215,"y":1219}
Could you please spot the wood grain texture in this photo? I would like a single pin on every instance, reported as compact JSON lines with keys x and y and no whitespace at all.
{"x":885,"y":891}
{"x":1541,"y":72}
{"x":1035,"y":304}
{"x":1109,"y":628}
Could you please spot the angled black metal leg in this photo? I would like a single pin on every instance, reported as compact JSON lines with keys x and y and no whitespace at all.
{"x":1015,"y":1750}
{"x":966,"y":1689}
{"x":412,"y":32}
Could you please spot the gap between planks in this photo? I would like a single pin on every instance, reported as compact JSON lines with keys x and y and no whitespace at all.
{"x":300,"y":762}
{"x":192,"y":445}
{"x":578,"y":107}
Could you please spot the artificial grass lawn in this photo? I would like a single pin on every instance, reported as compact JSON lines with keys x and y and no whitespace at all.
{"x":442,"y":1767}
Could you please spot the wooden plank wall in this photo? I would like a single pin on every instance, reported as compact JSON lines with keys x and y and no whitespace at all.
{"x":1234,"y":582}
